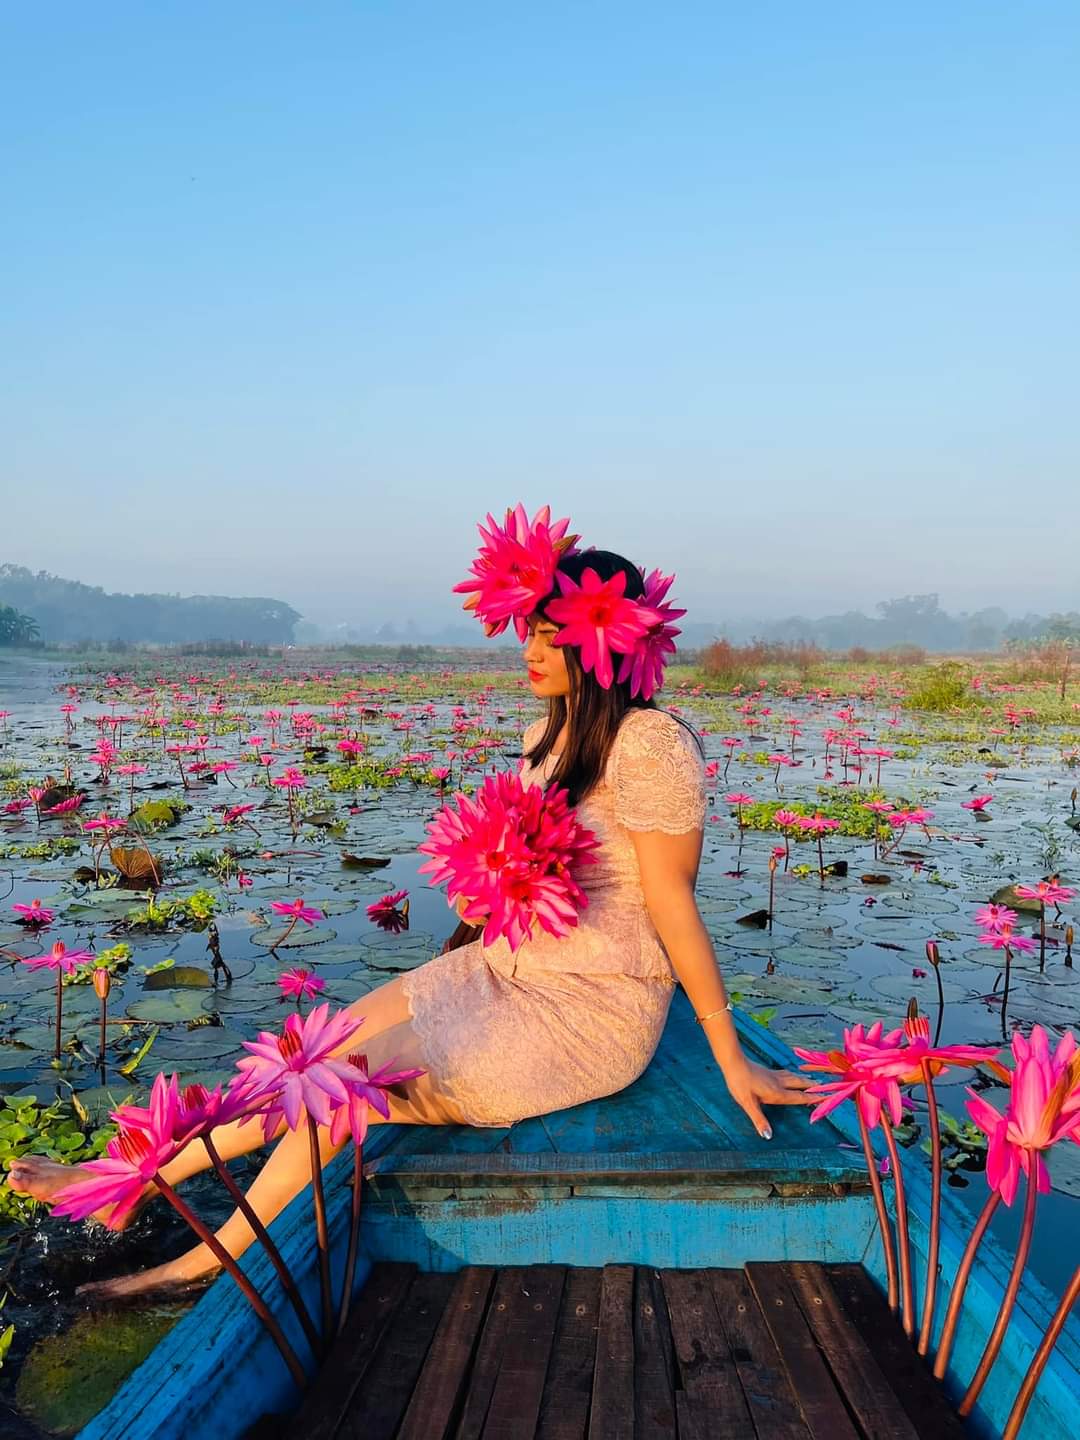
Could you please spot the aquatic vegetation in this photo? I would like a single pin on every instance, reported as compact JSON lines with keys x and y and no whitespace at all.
{"x":385,"y":741}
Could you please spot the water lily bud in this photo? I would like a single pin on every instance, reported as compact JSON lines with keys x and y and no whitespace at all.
{"x":932,"y":953}
{"x":772,"y":863}
{"x":1069,"y":936}
{"x":102,"y":982}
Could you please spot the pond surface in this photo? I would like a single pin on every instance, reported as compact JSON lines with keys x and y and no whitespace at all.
{"x":844,"y":948}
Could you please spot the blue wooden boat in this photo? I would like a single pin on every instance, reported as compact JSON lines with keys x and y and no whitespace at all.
{"x":643,"y":1265}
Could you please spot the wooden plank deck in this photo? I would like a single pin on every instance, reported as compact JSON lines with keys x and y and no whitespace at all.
{"x":785,"y":1351}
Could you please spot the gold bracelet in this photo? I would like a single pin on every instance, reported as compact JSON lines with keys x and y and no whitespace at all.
{"x":713,"y":1013}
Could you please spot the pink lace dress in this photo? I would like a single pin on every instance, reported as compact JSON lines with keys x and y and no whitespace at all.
{"x":505,"y":1036}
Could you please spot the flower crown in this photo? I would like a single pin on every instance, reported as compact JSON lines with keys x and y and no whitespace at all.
{"x":516,"y":569}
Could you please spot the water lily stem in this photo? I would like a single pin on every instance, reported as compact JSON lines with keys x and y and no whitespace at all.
{"x":907,"y":1295}
{"x":257,"y":1303}
{"x":321,"y":1236}
{"x":59,"y":1009}
{"x":884,"y":1224}
{"x":930,"y":1288}
{"x":354,"y":1237}
{"x":1041,"y":1356}
{"x":997,"y":1335}
{"x":261,"y":1233}
{"x":956,"y":1298}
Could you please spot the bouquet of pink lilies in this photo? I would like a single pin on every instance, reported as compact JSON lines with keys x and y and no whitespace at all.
{"x":512,"y":852}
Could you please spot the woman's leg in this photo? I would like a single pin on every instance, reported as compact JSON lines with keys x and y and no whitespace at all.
{"x":40,"y":1177}
{"x":288,"y":1170}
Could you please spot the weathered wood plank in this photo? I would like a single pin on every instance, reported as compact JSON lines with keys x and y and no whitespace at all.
{"x":709,"y":1379}
{"x":823,"y":1409}
{"x":773,"y":1407}
{"x":654,"y":1377}
{"x":858,"y":1374}
{"x":442,"y":1382}
{"x":740,"y":1166}
{"x":564,"y":1407}
{"x":611,"y":1415}
{"x":328,"y":1400}
{"x":485,"y":1369}
{"x":376,"y":1409}
{"x":519,"y":1387}
{"x":910,"y":1379}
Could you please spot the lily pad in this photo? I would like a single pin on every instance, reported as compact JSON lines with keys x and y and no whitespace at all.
{"x":205,"y":1042}
{"x":901,"y":987}
{"x":273,"y":939}
{"x":179,"y":977}
{"x":171,"y":1007}
{"x":1007,"y":895}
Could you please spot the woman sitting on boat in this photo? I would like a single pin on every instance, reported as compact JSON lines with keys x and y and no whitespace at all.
{"x":499,"y":1034}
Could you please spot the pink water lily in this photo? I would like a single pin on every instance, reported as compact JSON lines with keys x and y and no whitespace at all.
{"x":34,"y":914}
{"x":1049,"y":892}
{"x":644,"y":666}
{"x":978,"y":803}
{"x":389,"y":913}
{"x":293,"y":1071}
{"x":300,"y":984}
{"x":365,"y":1090}
{"x":1043,"y":1108}
{"x":1005,"y":938}
{"x":132,"y":1159}
{"x":297,"y":910}
{"x":995,"y":917}
{"x":859,"y":1079}
{"x":183,"y":1114}
{"x":58,"y":958}
{"x":905,"y":1064}
{"x":597,"y":617}
{"x":515,"y":568}
{"x":513,"y":853}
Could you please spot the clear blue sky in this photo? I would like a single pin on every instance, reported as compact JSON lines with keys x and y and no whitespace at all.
{"x":781,"y":296}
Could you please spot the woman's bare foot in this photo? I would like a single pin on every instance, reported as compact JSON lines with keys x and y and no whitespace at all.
{"x":170,"y":1281}
{"x":42,"y":1178}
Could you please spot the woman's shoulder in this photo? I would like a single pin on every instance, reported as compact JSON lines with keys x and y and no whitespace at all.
{"x":657,"y":774}
{"x":647,"y":731}
{"x":647,"y":735}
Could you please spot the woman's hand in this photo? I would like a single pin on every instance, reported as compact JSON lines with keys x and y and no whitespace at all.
{"x":752,"y":1085}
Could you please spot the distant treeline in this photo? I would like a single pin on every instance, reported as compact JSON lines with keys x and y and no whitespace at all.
{"x":66,"y":612}
{"x":914,"y":620}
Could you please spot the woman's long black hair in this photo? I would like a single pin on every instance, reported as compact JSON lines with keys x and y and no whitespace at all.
{"x":593,"y":715}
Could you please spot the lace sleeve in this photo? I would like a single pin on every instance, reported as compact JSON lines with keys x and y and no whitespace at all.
{"x":657,"y":775}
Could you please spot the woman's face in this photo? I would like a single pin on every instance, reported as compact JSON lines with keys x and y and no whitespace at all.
{"x":545,"y":662}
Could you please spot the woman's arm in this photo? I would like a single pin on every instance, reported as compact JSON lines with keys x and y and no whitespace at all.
{"x":669,"y":866}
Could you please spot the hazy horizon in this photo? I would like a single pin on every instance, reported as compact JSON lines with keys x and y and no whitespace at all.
{"x":784,"y":301}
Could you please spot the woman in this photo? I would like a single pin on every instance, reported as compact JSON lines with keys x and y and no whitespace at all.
{"x":503,"y":1035}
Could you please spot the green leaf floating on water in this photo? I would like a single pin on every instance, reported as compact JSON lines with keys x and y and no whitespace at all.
{"x":67,"y":1378}
{"x":271,"y":938}
{"x":178,"y":977}
{"x":159,"y":812}
{"x":1007,"y":896}
{"x":170,"y":1007}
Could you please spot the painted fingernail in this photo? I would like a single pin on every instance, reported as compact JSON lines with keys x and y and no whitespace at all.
{"x":766,"y":1134}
